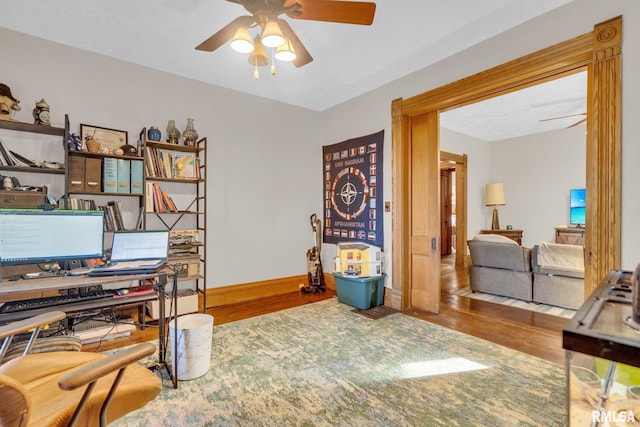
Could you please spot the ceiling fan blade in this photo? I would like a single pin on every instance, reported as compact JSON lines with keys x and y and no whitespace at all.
{"x":578,"y":122}
{"x":303,"y":56}
{"x":563,"y":117}
{"x":225,"y":34}
{"x":346,"y":12}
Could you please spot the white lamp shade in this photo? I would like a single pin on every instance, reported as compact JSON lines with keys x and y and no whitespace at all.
{"x":494,"y":194}
{"x":241,"y":41}
{"x":272,"y":36}
{"x":286,"y":52}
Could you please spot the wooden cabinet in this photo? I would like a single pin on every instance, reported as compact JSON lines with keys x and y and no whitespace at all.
{"x":570,"y":235}
{"x":84,"y":174}
{"x":515,"y":235}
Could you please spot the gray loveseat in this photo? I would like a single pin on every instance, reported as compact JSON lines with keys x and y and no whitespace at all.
{"x":558,"y":274}
{"x":500,"y":266}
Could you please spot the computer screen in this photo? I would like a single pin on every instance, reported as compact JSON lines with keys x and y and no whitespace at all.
{"x":33,"y":236}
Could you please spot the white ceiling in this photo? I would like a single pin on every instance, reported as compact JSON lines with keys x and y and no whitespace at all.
{"x":349,"y":60}
{"x":523,"y":112}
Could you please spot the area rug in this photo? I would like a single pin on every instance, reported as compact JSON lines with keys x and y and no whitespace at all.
{"x":323,"y":365}
{"x":517,"y":303}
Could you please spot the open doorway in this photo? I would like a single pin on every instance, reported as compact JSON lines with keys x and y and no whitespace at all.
{"x":415,"y":134}
{"x":447,"y":209}
{"x":453,"y":205}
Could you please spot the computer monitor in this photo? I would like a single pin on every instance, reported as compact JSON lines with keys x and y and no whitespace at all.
{"x":34,"y":236}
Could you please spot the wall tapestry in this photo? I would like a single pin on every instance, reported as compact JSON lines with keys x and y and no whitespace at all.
{"x":353,"y":190}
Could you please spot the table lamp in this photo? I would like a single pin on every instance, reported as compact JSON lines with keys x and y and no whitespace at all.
{"x":494,"y":196}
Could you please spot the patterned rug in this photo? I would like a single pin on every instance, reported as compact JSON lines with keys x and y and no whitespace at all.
{"x":513,"y":302}
{"x":323,"y":365}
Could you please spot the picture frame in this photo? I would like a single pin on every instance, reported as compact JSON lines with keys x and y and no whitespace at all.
{"x":109,"y":138}
{"x":184,"y":165}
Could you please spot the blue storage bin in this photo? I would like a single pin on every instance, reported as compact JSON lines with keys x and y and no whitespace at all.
{"x":360,"y":292}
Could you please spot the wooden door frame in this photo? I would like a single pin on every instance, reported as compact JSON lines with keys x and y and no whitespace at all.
{"x":600,"y":53}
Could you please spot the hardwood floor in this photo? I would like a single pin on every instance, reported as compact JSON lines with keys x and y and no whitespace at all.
{"x":532,"y":333}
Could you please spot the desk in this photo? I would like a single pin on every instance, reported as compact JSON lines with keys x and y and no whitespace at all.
{"x":16,"y":291}
{"x":515,"y":235}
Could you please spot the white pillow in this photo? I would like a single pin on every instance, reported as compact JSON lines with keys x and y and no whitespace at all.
{"x":494,"y":238}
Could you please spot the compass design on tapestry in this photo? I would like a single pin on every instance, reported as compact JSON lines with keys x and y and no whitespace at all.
{"x":349,"y":193}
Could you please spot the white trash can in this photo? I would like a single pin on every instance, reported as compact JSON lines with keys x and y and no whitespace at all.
{"x":195,"y":332}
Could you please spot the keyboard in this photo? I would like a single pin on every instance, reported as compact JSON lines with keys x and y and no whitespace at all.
{"x":30,"y":304}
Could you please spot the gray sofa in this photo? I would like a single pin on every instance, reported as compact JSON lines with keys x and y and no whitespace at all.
{"x":549,"y":273}
{"x":500,"y":266}
{"x":558,"y":274}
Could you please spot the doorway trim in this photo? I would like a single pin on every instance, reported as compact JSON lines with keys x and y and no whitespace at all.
{"x":599,"y":52}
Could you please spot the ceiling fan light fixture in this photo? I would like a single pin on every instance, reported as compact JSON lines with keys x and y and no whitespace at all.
{"x":286,"y":52}
{"x":241,"y":41}
{"x":272,"y":35}
{"x":259,"y":56}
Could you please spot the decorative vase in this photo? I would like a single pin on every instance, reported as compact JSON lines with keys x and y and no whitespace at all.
{"x":154,"y":134}
{"x":173,"y":134}
{"x":190,"y":134}
{"x":92,"y":145}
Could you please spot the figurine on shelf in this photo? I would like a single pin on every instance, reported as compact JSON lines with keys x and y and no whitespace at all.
{"x":41,"y":113}
{"x":129,"y":150}
{"x":7,"y":103}
{"x":74,"y":143}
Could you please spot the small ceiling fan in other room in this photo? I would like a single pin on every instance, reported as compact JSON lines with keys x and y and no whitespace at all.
{"x":275,"y":32}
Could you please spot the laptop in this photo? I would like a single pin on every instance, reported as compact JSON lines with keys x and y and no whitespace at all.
{"x":135,"y":252}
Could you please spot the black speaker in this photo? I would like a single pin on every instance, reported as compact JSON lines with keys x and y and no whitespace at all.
{"x":71,"y":264}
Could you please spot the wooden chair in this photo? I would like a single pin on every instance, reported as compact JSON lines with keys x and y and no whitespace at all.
{"x":62,"y":388}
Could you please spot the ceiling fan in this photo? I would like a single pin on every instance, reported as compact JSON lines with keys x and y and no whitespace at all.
{"x":584,"y":119}
{"x":265,"y":17}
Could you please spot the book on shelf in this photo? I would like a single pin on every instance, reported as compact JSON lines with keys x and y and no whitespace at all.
{"x":136,"y":177}
{"x":162,"y":202}
{"x":149,"y":196}
{"x":150,"y":167}
{"x":113,"y":220}
{"x":110,"y":175}
{"x":124,"y":176}
{"x":11,"y":158}
{"x":78,"y":204}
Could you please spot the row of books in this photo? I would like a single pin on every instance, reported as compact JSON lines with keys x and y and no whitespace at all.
{"x":159,"y":200}
{"x":112,"y":211}
{"x":11,"y":158}
{"x":161,"y":163}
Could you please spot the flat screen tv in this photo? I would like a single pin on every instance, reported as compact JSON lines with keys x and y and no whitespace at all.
{"x":578,"y":207}
{"x":33,"y":236}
